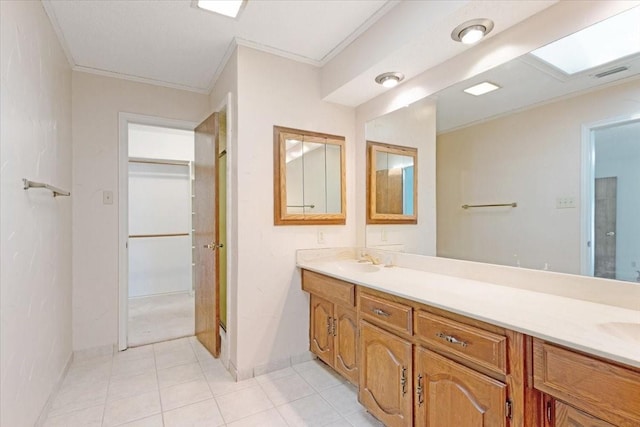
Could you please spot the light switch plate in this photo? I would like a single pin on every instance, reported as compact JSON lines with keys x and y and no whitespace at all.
{"x":107,"y":197}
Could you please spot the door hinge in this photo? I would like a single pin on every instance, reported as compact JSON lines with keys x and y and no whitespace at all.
{"x":509,"y":409}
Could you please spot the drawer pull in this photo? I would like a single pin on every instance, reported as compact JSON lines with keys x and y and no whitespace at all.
{"x":333,"y":330}
{"x":420,"y":391}
{"x":380,"y":312}
{"x":403,"y":380}
{"x":329,"y":324}
{"x":451,"y":339}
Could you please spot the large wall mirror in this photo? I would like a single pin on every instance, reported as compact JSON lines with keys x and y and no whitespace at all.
{"x":309,"y":177}
{"x":392,"y":186}
{"x":563,"y":145}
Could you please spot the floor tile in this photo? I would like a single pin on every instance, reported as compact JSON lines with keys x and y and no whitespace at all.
{"x":318,"y":375}
{"x":276,"y":375}
{"x":180,"y":374}
{"x":175,"y":358}
{"x":205,"y":413}
{"x":268,"y":418}
{"x":343,"y":398}
{"x":82,"y":395}
{"x":121,"y":387}
{"x":286,"y":389}
{"x":171,"y":345}
{"x":128,"y":368}
{"x":363,"y":419}
{"x":133,"y":353}
{"x":152,"y":421}
{"x":160,"y":317}
{"x":131,"y":408}
{"x":308,"y":411}
{"x":184,"y":394}
{"x":340,"y":423}
{"x":88,"y":417}
{"x":221,"y":382}
{"x":243,"y":403}
{"x":88,"y":372}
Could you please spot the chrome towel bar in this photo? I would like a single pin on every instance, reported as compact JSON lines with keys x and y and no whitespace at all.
{"x":513,"y":205}
{"x":55,"y":190}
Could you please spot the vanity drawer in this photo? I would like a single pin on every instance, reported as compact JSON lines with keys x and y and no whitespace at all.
{"x":477,"y":345}
{"x":334,"y":290}
{"x":600,"y":388}
{"x":383,"y":312}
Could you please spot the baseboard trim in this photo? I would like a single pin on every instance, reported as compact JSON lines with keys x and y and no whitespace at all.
{"x":54,"y":393}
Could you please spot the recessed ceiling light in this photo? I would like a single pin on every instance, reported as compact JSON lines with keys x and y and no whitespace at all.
{"x":482,"y":88}
{"x":389,"y":79}
{"x":601,"y":43}
{"x":471,"y":32}
{"x":230,"y":8}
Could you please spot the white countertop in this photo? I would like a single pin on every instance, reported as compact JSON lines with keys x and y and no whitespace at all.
{"x":599,"y":329}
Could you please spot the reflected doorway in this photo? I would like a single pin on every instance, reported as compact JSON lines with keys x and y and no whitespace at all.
{"x":615,"y":209}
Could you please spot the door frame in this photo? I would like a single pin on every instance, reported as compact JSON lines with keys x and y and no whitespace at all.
{"x":587,"y":181}
{"x":124,"y":119}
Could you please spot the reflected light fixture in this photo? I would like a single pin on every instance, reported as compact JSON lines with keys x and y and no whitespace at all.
{"x":473,"y":31}
{"x":230,"y":8}
{"x":390,"y":79}
{"x":481,"y":88}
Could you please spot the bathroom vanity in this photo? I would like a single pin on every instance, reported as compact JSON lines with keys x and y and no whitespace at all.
{"x":439,"y":350}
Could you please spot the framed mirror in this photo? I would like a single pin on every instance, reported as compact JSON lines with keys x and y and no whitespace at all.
{"x":309,"y":178}
{"x":392,"y":185}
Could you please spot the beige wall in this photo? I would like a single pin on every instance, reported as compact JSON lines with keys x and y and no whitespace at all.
{"x":35,"y":278}
{"x":532,"y":158}
{"x":96,"y":103}
{"x":414,"y":126}
{"x":273,"y":312}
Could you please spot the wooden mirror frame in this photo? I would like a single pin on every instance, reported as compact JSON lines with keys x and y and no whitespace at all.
{"x":281,"y":217}
{"x":374,"y":217}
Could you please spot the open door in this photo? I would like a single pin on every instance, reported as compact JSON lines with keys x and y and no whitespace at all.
{"x":206,"y":238}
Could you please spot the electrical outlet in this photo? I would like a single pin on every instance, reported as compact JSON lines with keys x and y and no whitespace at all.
{"x":320,"y":237}
{"x":565,"y":202}
{"x":383,"y":235}
{"x":107,"y":197}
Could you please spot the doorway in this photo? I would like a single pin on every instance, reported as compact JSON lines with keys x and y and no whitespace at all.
{"x":160,"y":280}
{"x":613,"y":180}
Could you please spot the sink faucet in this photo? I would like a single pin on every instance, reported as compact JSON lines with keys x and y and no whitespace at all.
{"x":364,"y":257}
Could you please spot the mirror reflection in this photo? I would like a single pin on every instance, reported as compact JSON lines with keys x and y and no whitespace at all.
{"x":564,"y":146}
{"x":391,"y":183}
{"x":309,"y":185}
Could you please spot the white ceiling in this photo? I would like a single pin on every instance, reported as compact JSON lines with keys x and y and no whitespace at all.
{"x":171,"y":43}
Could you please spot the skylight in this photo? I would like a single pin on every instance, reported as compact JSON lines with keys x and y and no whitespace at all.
{"x":230,"y":8}
{"x":481,"y":88}
{"x":601,"y":43}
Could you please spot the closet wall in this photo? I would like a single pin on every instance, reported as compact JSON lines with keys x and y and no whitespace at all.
{"x":160,"y":191}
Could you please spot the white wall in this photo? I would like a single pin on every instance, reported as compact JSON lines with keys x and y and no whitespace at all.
{"x":272,"y":310}
{"x":617,"y":153}
{"x":97,"y":101}
{"x":532,"y":158}
{"x":35,"y":290}
{"x":414,"y":126}
{"x":159,"y":203}
{"x":160,"y":143}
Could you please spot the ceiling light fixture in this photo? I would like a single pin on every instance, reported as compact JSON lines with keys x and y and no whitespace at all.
{"x":230,"y":8}
{"x":390,"y":79}
{"x":473,"y":31}
{"x":481,"y":88}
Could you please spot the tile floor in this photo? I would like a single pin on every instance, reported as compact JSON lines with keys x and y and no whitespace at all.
{"x":160,"y":318}
{"x":178,"y":383}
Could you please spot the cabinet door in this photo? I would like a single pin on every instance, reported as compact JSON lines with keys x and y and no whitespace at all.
{"x":385,"y":376}
{"x":321,"y":330}
{"x":449,"y":394}
{"x":346,"y":339}
{"x":568,"y":416}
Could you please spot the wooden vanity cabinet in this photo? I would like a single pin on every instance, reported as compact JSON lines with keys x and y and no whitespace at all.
{"x":450,"y":394}
{"x":386,"y":373}
{"x":333,"y":332}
